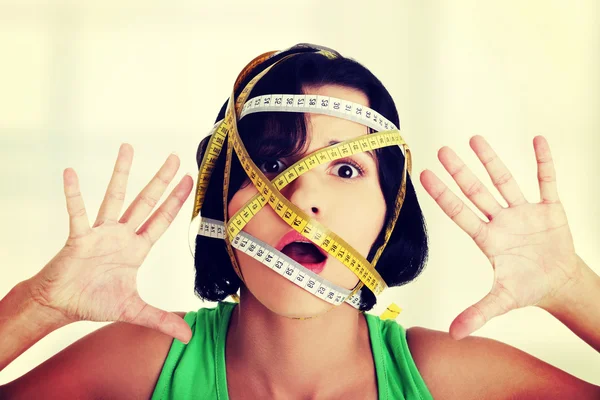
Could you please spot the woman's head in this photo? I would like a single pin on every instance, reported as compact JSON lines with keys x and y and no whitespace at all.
{"x":354,"y":197}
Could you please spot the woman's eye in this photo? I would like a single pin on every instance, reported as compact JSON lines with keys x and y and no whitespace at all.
{"x":271,"y":166}
{"x":346,"y":171}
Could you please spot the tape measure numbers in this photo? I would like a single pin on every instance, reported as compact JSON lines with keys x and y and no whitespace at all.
{"x":282,"y":264}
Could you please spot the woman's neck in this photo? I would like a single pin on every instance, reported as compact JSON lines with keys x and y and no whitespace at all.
{"x":280,"y":355}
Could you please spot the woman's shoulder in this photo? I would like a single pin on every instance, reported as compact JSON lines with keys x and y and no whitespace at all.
{"x":453,"y":368}
{"x":118,"y":360}
{"x":465,"y":368}
{"x":478,"y":367}
{"x":130,"y":356}
{"x":133,"y":356}
{"x":429,"y":360}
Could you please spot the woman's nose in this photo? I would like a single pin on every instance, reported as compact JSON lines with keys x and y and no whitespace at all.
{"x":306,"y":193}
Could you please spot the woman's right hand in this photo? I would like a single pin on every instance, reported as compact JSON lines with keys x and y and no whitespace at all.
{"x":93,"y":277}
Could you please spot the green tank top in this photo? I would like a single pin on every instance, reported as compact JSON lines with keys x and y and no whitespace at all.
{"x":197,"y":370}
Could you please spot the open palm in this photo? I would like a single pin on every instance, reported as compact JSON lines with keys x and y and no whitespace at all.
{"x":93,"y":277}
{"x":529,"y":245}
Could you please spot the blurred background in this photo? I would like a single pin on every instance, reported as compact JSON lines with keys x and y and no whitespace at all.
{"x":79,"y":78}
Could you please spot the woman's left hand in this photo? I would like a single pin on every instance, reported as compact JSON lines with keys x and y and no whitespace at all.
{"x":529,"y":245}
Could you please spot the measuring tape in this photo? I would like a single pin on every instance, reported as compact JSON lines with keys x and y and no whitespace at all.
{"x":315,"y":232}
{"x":282,"y":264}
{"x":269,"y":191}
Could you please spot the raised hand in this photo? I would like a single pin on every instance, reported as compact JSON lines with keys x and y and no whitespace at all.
{"x":529,"y":245}
{"x":93,"y":277}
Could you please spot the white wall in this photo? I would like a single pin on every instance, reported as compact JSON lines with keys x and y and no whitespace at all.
{"x":79,"y":78}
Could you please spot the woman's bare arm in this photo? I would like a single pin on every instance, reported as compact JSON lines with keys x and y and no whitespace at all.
{"x":117,"y":361}
{"x":23,"y":322}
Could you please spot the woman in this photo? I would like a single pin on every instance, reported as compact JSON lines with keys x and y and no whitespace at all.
{"x":281,"y":341}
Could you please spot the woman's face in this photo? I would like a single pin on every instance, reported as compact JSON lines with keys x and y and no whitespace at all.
{"x":344,"y":195}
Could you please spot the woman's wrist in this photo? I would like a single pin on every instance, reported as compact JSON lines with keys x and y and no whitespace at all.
{"x":24,"y":321}
{"x":573,"y":293}
{"x":576,"y":305}
{"x":46,"y":316}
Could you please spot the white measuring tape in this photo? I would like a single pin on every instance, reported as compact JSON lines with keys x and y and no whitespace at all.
{"x":282,"y":264}
{"x":318,"y":104}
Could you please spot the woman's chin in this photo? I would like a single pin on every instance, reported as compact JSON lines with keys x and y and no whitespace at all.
{"x":304,"y":311}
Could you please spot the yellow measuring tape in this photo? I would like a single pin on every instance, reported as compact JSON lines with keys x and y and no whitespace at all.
{"x":268,"y":191}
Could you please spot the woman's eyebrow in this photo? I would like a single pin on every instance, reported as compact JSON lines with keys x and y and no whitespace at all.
{"x":370,"y":152}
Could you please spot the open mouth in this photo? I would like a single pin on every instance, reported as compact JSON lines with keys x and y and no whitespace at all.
{"x":303,"y":253}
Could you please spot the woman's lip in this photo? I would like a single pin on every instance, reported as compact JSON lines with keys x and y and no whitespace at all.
{"x":294,"y":236}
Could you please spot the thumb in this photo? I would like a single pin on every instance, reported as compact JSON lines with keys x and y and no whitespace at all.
{"x":474,"y":317}
{"x":163,"y":321}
